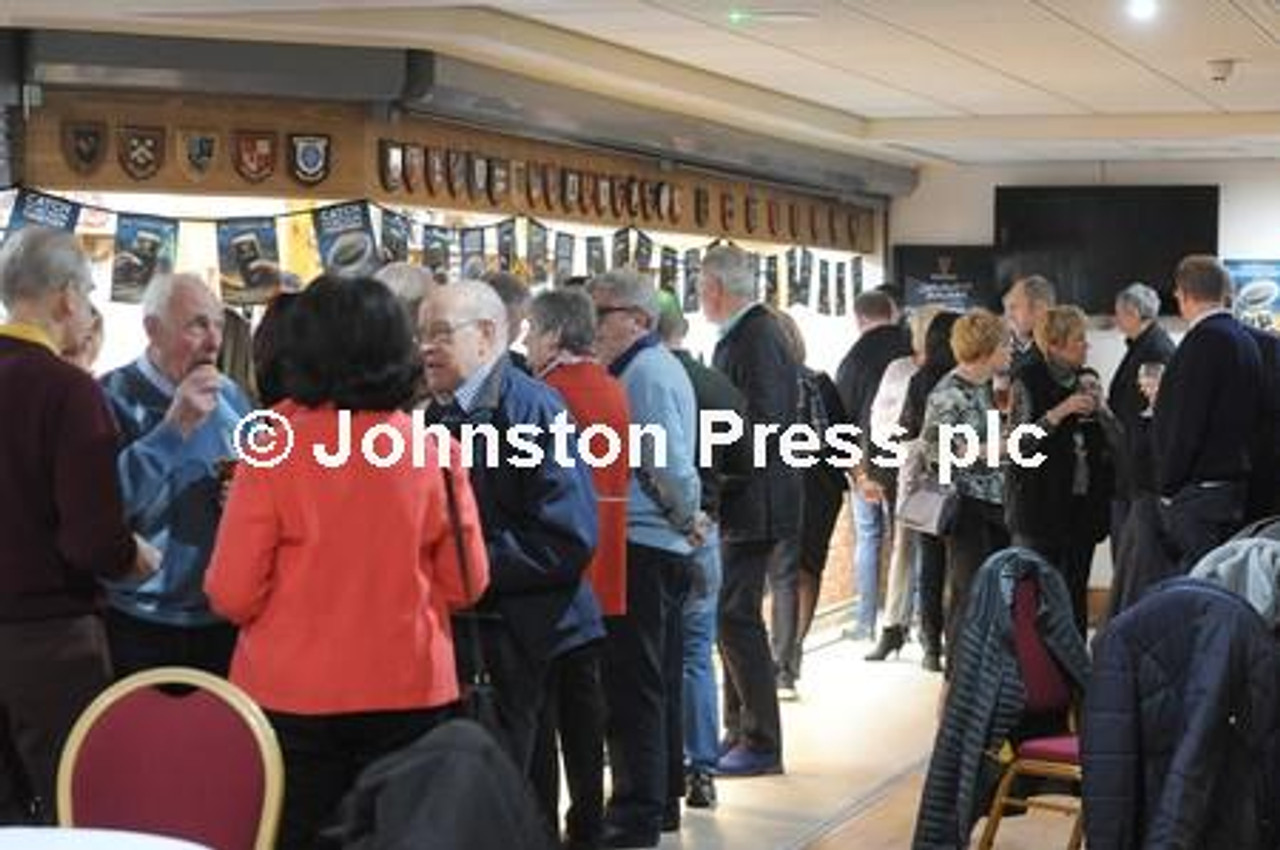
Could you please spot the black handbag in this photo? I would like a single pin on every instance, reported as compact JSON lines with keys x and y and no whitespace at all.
{"x":479,"y":699}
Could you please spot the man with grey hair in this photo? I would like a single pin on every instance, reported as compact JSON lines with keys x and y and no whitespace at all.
{"x":1027,"y":300}
{"x":759,"y":512}
{"x":177,"y":415}
{"x":1137,"y":307}
{"x":644,"y":655}
{"x":61,"y":522}
{"x":540,"y":525}
{"x":409,"y":283}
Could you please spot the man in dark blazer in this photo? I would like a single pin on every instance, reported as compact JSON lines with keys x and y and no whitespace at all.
{"x":1206,"y":412}
{"x":1027,"y":300}
{"x":759,"y":518}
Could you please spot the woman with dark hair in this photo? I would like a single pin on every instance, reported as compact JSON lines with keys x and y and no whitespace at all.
{"x":342,"y":578}
{"x":268,"y":350}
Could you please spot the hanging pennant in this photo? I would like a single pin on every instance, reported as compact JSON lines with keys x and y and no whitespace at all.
{"x":855,"y":274}
{"x":772,"y":295}
{"x":595,"y":255}
{"x":344,"y":237}
{"x":436,"y":243}
{"x":144,"y":245}
{"x":644,"y":252}
{"x":396,"y":232}
{"x":800,"y":286}
{"x":537,"y":252}
{"x":507,"y":245}
{"x":842,"y":292}
{"x":564,"y":256}
{"x":669,"y":269}
{"x":692,"y":269}
{"x":248,"y":260}
{"x":32,"y":207}
{"x":473,"y":265}
{"x":753,"y":263}
{"x":824,"y":288}
{"x":622,"y":247}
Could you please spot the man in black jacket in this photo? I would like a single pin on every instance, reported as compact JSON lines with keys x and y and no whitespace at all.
{"x":1025,"y":302}
{"x":881,"y":340}
{"x":759,"y":517}
{"x":1206,"y":411}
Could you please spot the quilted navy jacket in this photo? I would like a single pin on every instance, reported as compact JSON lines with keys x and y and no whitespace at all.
{"x":1182,"y":725}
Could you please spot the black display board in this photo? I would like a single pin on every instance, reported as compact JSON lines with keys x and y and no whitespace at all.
{"x":955,"y":276}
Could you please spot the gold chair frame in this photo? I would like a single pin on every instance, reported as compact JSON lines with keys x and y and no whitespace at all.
{"x":1037,"y":768}
{"x":233,"y":697}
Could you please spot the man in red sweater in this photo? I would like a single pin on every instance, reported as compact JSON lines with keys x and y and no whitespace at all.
{"x":61,"y":523}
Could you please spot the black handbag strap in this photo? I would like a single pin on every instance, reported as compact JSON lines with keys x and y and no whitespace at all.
{"x":480,"y":669}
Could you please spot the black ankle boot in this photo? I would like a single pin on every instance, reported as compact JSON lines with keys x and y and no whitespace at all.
{"x":891,"y":641}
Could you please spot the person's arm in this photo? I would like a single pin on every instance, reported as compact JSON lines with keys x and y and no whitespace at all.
{"x":1183,"y":412}
{"x":241,"y":572}
{"x":676,"y":480}
{"x":92,"y":535}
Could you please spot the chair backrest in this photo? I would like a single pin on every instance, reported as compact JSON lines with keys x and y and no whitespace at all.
{"x":177,"y":752}
{"x":1046,"y":688}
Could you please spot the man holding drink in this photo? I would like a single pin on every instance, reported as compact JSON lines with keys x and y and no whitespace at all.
{"x":176,"y":414}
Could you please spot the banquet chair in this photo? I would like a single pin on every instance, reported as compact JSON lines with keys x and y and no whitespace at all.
{"x":177,"y":752}
{"x":1048,"y":693}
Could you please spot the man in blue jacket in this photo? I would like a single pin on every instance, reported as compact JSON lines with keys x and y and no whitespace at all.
{"x":539,"y":521}
{"x":176,"y":415}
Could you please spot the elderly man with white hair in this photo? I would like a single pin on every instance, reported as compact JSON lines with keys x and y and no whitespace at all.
{"x":539,"y":521}
{"x":61,"y":522}
{"x":176,"y":414}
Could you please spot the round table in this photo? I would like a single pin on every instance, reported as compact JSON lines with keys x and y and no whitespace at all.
{"x":59,"y":838}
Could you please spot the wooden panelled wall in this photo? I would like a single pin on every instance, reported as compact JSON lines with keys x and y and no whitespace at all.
{"x":653,"y":198}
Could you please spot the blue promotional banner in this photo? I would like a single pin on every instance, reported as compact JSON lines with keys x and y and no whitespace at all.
{"x":32,"y":207}
{"x":507,"y":245}
{"x":692,"y":269}
{"x":772,"y":296}
{"x":344,"y":236}
{"x":472,"y":240}
{"x":824,"y":288}
{"x":644,"y":252}
{"x":145,"y":245}
{"x":842,"y":290}
{"x":595,"y":255}
{"x":436,"y":246}
{"x":564,"y":256}
{"x":1256,"y":291}
{"x":397,"y":231}
{"x":537,"y":251}
{"x":669,"y":269}
{"x":622,"y":248}
{"x":248,"y":260}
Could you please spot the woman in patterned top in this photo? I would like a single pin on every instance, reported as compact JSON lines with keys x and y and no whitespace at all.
{"x":980,"y":342}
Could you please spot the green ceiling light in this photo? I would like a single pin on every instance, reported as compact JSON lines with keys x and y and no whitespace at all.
{"x":738,"y":17}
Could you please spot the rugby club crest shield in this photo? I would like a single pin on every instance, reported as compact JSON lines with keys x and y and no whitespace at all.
{"x":84,"y":145}
{"x":197,"y":151}
{"x":254,"y":154}
{"x":141,"y":151}
{"x":309,"y":158}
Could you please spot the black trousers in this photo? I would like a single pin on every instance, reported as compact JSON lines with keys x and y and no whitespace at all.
{"x":784,"y":614}
{"x":933,"y":576}
{"x":1200,"y":517}
{"x":574,"y":715}
{"x":50,"y":670}
{"x":751,"y":714}
{"x":643,"y":681}
{"x":978,"y":531}
{"x":324,"y":755}
{"x":138,"y":645}
{"x":519,"y":681}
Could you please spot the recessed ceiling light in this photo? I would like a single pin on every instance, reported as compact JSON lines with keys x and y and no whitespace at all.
{"x":742,"y":17}
{"x":1143,"y":10}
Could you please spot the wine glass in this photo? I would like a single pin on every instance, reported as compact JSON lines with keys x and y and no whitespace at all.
{"x":1149,"y":375}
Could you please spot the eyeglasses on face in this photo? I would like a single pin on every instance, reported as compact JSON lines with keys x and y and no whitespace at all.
{"x":442,"y":332}
{"x":603,"y":312}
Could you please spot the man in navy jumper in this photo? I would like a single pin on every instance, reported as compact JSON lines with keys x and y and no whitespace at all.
{"x":176,"y":415}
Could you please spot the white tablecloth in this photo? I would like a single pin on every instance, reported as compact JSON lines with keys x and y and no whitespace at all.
{"x":22,"y":838}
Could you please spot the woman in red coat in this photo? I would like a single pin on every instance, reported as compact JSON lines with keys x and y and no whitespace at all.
{"x":560,"y":341}
{"x":342,"y":578}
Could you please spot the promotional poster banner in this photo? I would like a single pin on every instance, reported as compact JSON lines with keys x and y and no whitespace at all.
{"x":436,"y":245}
{"x":644,"y":252}
{"x":32,"y":207}
{"x":144,"y":245}
{"x":537,"y":250}
{"x":669,"y":269}
{"x":753,"y":263}
{"x":956,"y":277}
{"x":621,"y":248}
{"x":1256,"y":292}
{"x":855,"y":276}
{"x":692,"y":268}
{"x":842,"y":290}
{"x":803,"y":283}
{"x":396,"y":234}
{"x":344,"y":237}
{"x":564,"y":256}
{"x":824,"y":288}
{"x":472,"y":239}
{"x":248,"y":260}
{"x":507,"y":245}
{"x":595,"y":255}
{"x":772,"y":294}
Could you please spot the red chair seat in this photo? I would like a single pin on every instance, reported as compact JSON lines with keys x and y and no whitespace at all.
{"x":1060,"y":748}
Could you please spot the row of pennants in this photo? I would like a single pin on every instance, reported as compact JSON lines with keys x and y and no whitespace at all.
{"x":347,"y":243}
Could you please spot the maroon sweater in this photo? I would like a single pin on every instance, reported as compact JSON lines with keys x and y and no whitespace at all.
{"x":61,"y":521}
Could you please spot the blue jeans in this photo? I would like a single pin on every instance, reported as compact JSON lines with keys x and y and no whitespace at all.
{"x":870,"y":519}
{"x":701,"y":706}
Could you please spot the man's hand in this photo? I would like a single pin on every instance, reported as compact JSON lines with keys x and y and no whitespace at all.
{"x":146,"y":562}
{"x":195,"y":399}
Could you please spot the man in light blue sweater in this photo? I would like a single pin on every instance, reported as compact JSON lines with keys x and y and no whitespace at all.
{"x":176,"y":415}
{"x":643,"y":657}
